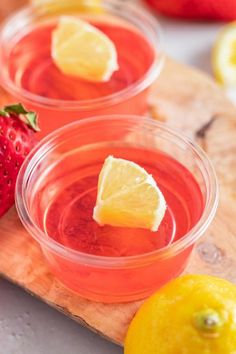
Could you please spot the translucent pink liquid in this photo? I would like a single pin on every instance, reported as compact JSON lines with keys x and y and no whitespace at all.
{"x":69,"y":221}
{"x":31,"y":66}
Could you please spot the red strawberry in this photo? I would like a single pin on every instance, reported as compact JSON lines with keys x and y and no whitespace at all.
{"x":197,"y":9}
{"x":17,"y":138}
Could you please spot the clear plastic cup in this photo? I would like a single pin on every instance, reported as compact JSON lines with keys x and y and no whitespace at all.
{"x":105,"y":278}
{"x":55,"y":112}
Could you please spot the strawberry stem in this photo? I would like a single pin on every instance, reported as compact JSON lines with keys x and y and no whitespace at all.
{"x":29,"y":118}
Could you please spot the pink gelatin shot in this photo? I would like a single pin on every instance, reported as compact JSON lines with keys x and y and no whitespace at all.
{"x":29,"y":73}
{"x":56,"y":194}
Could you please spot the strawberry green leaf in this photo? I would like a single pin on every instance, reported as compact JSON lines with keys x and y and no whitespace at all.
{"x":3,"y":113}
{"x":29,"y":118}
{"x":15,"y":108}
{"x":32,"y":120}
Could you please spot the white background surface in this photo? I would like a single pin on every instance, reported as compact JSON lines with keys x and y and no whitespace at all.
{"x":28,"y":326}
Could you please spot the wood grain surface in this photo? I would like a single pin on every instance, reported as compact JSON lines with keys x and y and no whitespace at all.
{"x":185,"y":99}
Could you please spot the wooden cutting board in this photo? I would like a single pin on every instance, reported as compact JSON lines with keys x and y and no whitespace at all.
{"x":185,"y":99}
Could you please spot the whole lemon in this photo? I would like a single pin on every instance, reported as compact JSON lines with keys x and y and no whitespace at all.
{"x":194,"y":314}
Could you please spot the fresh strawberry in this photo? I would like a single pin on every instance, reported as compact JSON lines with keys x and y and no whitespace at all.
{"x":197,"y":9}
{"x":17,"y":138}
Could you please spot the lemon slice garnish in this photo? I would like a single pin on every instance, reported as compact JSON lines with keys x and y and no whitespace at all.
{"x":224,"y":56}
{"x":58,"y":7}
{"x":128,"y":196}
{"x":81,"y":50}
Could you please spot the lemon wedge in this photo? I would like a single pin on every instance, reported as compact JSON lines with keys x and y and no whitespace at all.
{"x":128,"y":196}
{"x":224,"y":56}
{"x":72,"y":6}
{"x":81,"y":50}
